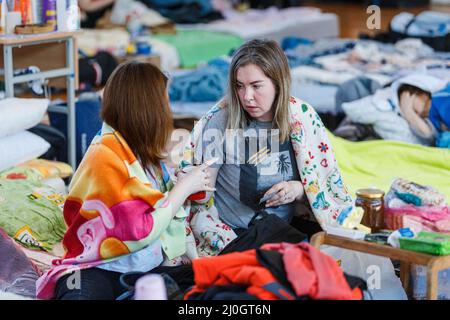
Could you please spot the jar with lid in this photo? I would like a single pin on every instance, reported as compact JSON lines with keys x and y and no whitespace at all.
{"x":372,"y":202}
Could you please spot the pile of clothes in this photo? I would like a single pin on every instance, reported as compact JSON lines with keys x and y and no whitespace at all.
{"x":282,"y":271}
{"x":415,"y":206}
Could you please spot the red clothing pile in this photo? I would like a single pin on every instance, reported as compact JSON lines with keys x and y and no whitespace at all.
{"x":308,"y":272}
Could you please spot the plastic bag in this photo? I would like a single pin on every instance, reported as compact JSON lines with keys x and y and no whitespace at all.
{"x":419,"y":283}
{"x":418,"y":218}
{"x":378,"y":272}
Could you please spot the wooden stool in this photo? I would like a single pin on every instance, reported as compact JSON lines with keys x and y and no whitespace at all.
{"x":434,"y":264}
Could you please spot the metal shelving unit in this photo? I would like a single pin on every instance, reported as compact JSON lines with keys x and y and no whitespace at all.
{"x":19,"y":52}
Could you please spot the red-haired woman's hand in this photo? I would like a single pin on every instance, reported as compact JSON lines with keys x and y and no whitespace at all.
{"x":196,"y":178}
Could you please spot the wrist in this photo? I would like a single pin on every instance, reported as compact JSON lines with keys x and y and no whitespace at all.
{"x":183,"y":189}
{"x":299,"y":190}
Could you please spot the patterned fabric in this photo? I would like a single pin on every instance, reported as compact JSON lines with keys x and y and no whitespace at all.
{"x":37,"y":169}
{"x":113,"y":210}
{"x":330,"y":200}
{"x":31,"y":213}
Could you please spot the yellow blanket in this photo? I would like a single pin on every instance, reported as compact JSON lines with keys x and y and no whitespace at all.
{"x":377,"y":163}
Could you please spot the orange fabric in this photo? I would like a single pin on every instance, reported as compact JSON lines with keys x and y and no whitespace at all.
{"x":306,"y":266}
{"x":235,"y":268}
{"x":111,"y":177}
{"x":357,"y":294}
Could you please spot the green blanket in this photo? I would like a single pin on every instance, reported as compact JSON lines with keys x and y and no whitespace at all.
{"x":31,"y":213}
{"x":195,"y":46}
{"x":377,"y":163}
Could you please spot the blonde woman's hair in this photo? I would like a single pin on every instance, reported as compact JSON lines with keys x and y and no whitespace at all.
{"x":270,"y":58}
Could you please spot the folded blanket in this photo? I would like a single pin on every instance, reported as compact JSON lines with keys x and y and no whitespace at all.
{"x":416,"y":194}
{"x":31,"y":213}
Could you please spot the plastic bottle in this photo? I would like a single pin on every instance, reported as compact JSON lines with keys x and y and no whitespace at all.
{"x":3,"y":10}
{"x":36,"y":11}
{"x":49,"y":12}
{"x":73,"y":15}
{"x":150,"y":287}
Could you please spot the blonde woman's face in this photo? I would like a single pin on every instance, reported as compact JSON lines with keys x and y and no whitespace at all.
{"x":256,"y":92}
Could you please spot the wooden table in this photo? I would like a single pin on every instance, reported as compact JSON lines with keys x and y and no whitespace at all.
{"x":433,"y":263}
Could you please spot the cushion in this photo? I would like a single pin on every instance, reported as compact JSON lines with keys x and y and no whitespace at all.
{"x":20,"y":114}
{"x":20,"y":147}
{"x":38,"y":169}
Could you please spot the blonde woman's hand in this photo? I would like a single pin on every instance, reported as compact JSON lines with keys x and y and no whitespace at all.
{"x":284,"y":192}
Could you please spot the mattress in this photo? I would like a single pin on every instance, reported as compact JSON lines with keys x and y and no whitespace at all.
{"x":275,"y":24}
{"x":325,"y":25}
{"x":321,"y":97}
{"x":195,"y":46}
{"x":181,"y":109}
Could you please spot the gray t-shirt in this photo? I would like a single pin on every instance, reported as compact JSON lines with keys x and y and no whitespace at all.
{"x":252,"y":161}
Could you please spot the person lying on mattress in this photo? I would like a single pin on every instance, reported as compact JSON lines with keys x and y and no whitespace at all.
{"x":123,"y":212}
{"x":414,"y":104}
{"x":273,"y":150}
{"x":427,"y":114}
{"x":412,"y":109}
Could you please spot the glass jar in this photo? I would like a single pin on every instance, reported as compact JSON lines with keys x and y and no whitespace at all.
{"x":372,"y":202}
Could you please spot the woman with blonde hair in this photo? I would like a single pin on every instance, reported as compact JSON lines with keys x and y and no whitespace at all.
{"x":273,"y":148}
{"x":123,"y":212}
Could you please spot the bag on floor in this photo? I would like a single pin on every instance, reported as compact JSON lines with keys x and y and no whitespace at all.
{"x":419,"y":283}
{"x":88,"y":123}
{"x":17,"y":273}
{"x":378,"y":272}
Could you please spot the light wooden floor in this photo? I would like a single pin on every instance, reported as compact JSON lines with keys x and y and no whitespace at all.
{"x":353,"y":16}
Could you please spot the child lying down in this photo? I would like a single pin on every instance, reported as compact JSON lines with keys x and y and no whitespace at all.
{"x":414,"y":109}
{"x":428,"y":115}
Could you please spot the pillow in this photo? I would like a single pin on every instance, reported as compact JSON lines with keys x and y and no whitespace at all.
{"x":18,"y":114}
{"x":21,"y":147}
{"x":57,"y":184}
{"x":38,"y":169}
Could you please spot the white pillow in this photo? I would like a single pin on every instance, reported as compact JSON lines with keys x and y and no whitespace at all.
{"x":18,"y":114}
{"x":57,"y":184}
{"x":21,"y":147}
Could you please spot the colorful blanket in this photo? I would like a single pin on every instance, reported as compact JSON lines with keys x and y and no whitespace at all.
{"x":330,"y":201}
{"x":37,"y":169}
{"x":31,"y":213}
{"x":113,"y":210}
